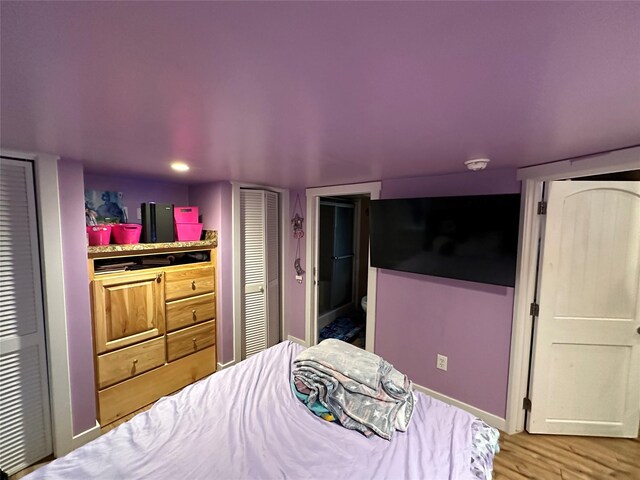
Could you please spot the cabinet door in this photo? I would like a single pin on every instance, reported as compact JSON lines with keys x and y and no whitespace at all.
{"x":128,"y":309}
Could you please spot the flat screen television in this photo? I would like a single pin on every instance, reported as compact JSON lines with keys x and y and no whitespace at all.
{"x":472,"y":238}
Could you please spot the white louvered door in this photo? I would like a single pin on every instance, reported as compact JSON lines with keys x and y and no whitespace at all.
{"x":259,"y":268}
{"x":25,"y":424}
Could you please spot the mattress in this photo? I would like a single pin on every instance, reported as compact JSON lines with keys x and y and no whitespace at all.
{"x":245,"y":423}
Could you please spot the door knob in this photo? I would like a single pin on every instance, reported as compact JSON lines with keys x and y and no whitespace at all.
{"x":261,"y":289}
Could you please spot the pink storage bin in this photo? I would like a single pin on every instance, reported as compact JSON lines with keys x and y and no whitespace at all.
{"x":99,"y":234}
{"x":126,"y":233}
{"x":185,"y":214}
{"x":188,"y":232}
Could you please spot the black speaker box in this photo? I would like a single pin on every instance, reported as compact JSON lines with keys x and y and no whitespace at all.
{"x":157,"y":222}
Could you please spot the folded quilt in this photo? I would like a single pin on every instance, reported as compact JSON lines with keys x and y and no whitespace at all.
{"x":362,"y":390}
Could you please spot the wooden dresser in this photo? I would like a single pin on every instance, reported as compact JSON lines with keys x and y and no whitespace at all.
{"x":154,"y":327}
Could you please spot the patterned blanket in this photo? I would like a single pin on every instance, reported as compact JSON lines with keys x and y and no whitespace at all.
{"x":363,"y":391}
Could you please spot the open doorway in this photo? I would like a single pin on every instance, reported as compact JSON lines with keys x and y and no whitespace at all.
{"x":343,"y":286}
{"x":343,"y":254}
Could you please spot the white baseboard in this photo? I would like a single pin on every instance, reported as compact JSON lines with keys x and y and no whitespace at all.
{"x":222,"y":366}
{"x":297,"y":340}
{"x":86,"y":436}
{"x":493,"y":420}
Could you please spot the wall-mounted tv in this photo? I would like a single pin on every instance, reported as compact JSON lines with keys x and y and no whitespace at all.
{"x":472,"y":238}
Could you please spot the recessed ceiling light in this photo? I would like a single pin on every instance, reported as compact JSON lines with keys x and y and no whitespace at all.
{"x":180,"y":166}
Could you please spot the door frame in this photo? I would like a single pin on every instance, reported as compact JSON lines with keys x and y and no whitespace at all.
{"x":311,"y":312}
{"x":533,"y":179}
{"x":55,"y":315}
{"x":283,"y":199}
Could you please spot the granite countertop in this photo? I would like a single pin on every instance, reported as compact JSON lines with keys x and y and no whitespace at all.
{"x":211,"y":240}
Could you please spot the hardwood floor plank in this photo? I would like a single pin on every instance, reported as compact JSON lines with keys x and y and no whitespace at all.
{"x":559,"y":457}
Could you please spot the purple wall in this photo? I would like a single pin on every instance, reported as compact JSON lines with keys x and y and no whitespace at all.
{"x":295,"y":292}
{"x":137,"y":191}
{"x":76,"y":291}
{"x":214,"y":202}
{"x":466,"y":321}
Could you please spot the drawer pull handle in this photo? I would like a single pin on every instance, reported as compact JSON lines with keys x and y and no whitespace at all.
{"x":193,"y":285}
{"x":193,"y":314}
{"x":159,"y":278}
{"x":133,"y":366}
{"x":195,"y":345}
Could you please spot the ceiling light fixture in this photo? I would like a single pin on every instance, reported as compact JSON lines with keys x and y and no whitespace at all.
{"x":477,"y":164}
{"x":180,"y":166}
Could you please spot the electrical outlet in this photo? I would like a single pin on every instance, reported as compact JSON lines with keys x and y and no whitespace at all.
{"x":441,"y":362}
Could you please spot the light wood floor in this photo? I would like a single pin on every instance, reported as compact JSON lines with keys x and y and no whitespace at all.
{"x":551,"y":457}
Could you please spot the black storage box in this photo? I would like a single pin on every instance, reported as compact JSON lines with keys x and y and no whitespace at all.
{"x":157,"y":223}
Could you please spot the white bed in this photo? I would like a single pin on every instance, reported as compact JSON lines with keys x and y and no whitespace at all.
{"x":244,"y":422}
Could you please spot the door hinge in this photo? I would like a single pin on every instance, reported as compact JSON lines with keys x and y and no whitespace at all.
{"x":534,"y":309}
{"x":526,"y":404}
{"x":542,"y":208}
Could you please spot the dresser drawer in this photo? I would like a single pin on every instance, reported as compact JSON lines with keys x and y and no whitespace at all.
{"x":190,"y":340}
{"x":128,"y":396}
{"x":189,"y":282}
{"x":190,"y":311}
{"x":128,"y":362}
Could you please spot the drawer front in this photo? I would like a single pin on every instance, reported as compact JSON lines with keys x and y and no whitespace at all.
{"x":128,"y":396}
{"x":190,"y":340}
{"x":190,"y":311}
{"x":128,"y":362}
{"x":189,"y":282}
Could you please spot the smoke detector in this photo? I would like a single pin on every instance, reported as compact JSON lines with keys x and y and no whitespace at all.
{"x":477,"y":164}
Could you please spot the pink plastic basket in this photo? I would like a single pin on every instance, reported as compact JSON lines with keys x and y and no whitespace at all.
{"x":185,"y":214}
{"x":125,"y":233}
{"x":188,"y":232}
{"x":99,"y":234}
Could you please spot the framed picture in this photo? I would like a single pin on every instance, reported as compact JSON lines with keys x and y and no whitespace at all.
{"x":104,"y":207}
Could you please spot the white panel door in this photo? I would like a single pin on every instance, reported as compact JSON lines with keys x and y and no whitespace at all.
{"x":25,"y":425}
{"x":586,"y":356}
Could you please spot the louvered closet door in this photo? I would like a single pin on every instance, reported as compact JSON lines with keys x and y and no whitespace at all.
{"x":252,"y":238}
{"x":260,"y":266}
{"x":25,"y":425}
